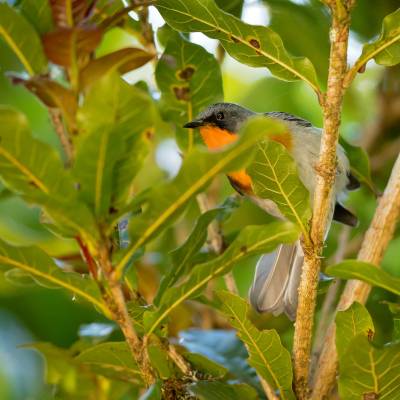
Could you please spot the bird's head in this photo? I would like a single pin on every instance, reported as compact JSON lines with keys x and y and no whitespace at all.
{"x":219,"y":123}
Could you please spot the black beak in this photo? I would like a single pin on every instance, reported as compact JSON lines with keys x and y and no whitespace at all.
{"x":194,"y":124}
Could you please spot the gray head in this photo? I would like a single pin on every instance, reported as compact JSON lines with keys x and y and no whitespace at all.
{"x":226,"y":116}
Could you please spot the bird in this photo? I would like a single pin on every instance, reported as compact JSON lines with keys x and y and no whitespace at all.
{"x":277,"y":275}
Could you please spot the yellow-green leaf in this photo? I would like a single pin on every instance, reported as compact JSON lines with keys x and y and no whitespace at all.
{"x":257,"y":46}
{"x":274,"y":176}
{"x":20,"y":35}
{"x":266,"y":353}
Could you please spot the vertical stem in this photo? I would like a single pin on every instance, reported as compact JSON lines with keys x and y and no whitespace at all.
{"x":326,"y":171}
{"x":65,"y":140}
{"x":121,"y":315}
{"x":374,"y":245}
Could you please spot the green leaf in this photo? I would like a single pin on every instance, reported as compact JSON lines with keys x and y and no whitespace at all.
{"x":214,"y":390}
{"x":159,"y":358}
{"x":359,"y":163}
{"x":233,"y":7}
{"x":153,"y":392}
{"x":111,"y":122}
{"x":207,"y":367}
{"x":367,"y":372}
{"x":367,"y":272}
{"x":252,"y":240}
{"x":38,"y":13}
{"x":123,"y":60}
{"x":181,"y":257}
{"x":274,"y":175}
{"x":34,"y":170}
{"x":385,"y":50}
{"x":20,"y":35}
{"x":189,"y":79}
{"x":257,"y":46}
{"x":166,"y":201}
{"x":45,"y":272}
{"x":351,"y":323}
{"x":112,"y":360}
{"x":266,"y":353}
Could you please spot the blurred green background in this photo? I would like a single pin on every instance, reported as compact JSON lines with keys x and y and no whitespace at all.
{"x":371,"y":118}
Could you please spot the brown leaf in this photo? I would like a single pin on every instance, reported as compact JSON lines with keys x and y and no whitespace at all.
{"x":123,"y":60}
{"x":54,"y":95}
{"x":67,"y":45}
{"x":68,"y":13}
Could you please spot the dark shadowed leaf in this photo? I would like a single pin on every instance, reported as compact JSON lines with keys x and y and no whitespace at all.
{"x":123,"y":61}
{"x":224,"y":348}
{"x":252,"y":240}
{"x":205,"y":366}
{"x":274,"y":175}
{"x":153,"y":392}
{"x":386,"y":50}
{"x":45,"y":272}
{"x":189,"y":79}
{"x":257,"y":46}
{"x":159,"y":359}
{"x":67,"y":46}
{"x":181,"y":257}
{"x":166,"y":201}
{"x":112,"y":141}
{"x":367,"y":272}
{"x":20,"y":35}
{"x":351,"y":323}
{"x":38,"y":13}
{"x":266,"y":353}
{"x":111,"y":359}
{"x":367,"y":372}
{"x":359,"y":163}
{"x":34,"y":170}
{"x":214,"y":390}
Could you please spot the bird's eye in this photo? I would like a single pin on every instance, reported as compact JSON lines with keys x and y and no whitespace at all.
{"x":220,"y":116}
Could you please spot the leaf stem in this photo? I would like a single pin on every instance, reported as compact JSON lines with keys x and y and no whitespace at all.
{"x":322,"y":206}
{"x":65,"y":140}
{"x":375,"y":242}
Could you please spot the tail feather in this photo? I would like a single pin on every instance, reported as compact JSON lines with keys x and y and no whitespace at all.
{"x":276,"y":280}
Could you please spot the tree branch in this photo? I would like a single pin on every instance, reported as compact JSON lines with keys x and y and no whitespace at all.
{"x":326,"y":171}
{"x":374,"y":245}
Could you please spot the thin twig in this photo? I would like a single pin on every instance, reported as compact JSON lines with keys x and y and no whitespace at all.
{"x":216,"y":241}
{"x":374,"y":245}
{"x":65,"y":140}
{"x":326,"y":171}
{"x":268,"y":390}
{"x":180,"y":362}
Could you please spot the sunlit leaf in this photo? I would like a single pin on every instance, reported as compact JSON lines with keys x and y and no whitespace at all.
{"x":266,"y":353}
{"x":20,"y":35}
{"x":44,"y":271}
{"x":166,"y":201}
{"x":252,"y":240}
{"x":350,"y":323}
{"x":38,"y":13}
{"x":66,"y":46}
{"x":367,"y":372}
{"x":367,"y":272}
{"x":34,"y":170}
{"x":123,"y":61}
{"x":189,"y":79}
{"x":214,"y":390}
{"x":257,"y":46}
{"x":111,"y":359}
{"x":386,"y":50}
{"x":233,"y":7}
{"x":274,"y":175}
{"x":112,"y":141}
